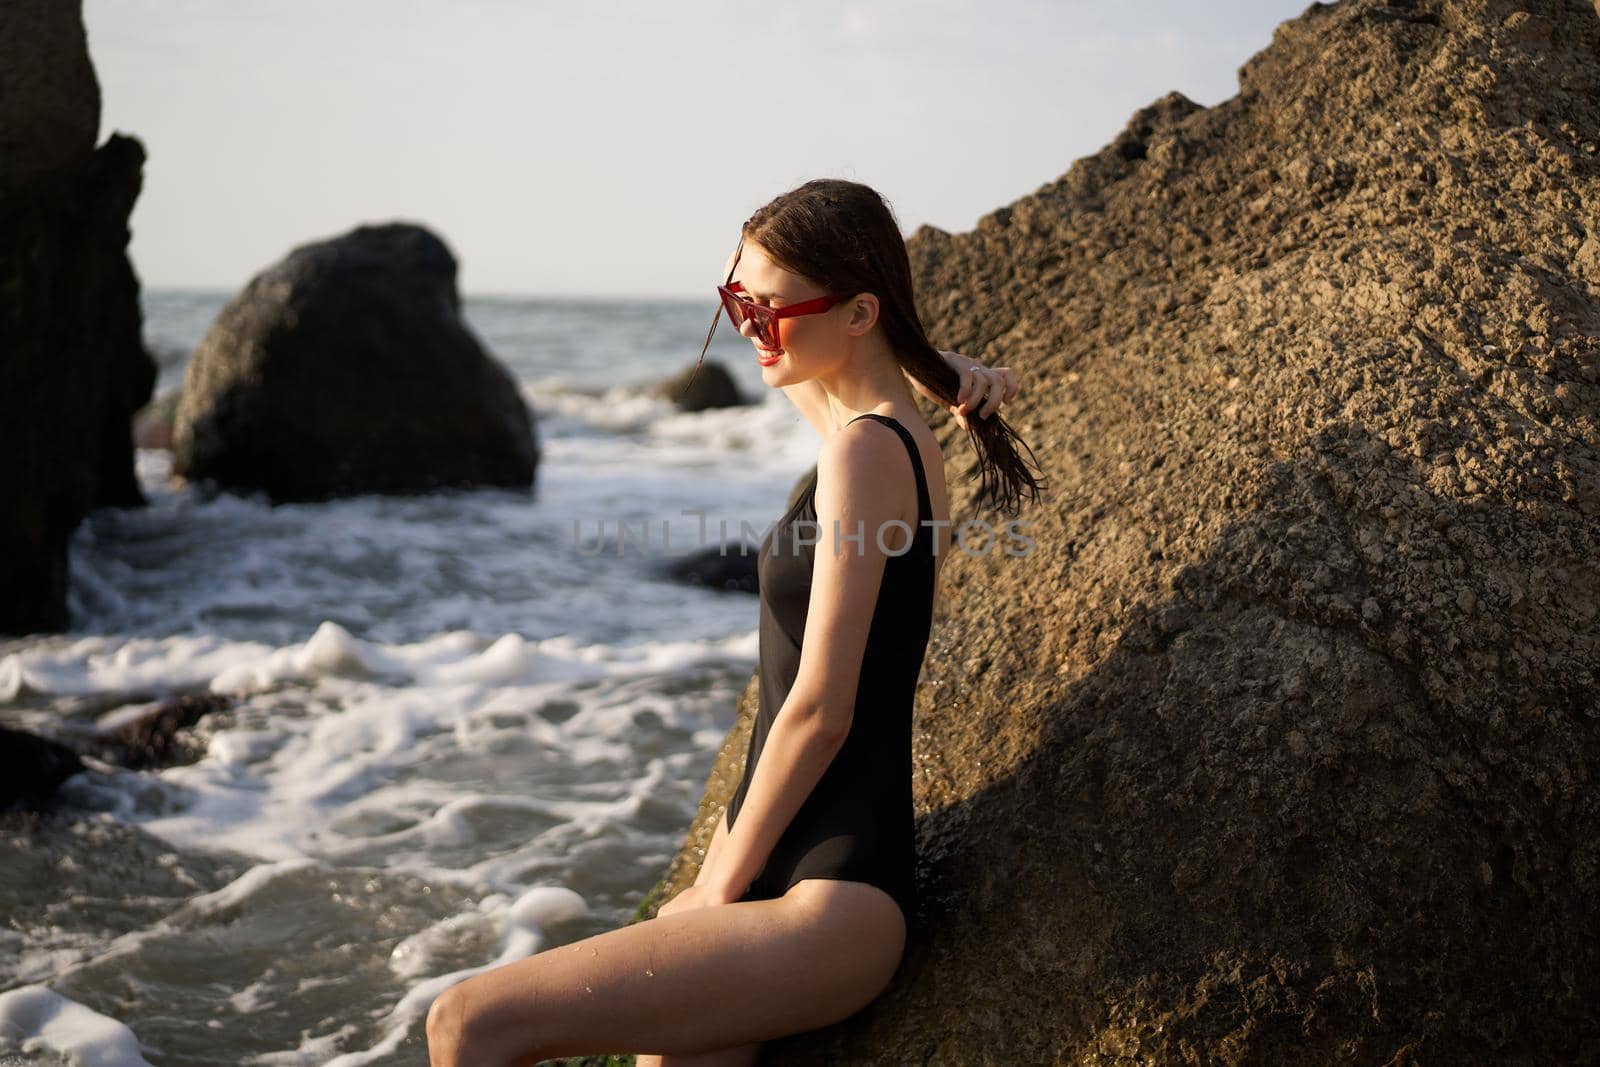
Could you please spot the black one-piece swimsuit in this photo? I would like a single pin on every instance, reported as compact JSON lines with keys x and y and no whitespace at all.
{"x":856,"y":824}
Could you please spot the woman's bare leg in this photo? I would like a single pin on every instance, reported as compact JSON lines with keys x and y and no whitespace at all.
{"x":689,"y":983}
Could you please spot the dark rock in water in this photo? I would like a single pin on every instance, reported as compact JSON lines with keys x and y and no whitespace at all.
{"x":32,"y":768}
{"x":157,"y":738}
{"x":712,"y":387}
{"x":346,"y":368}
{"x":1281,"y":746}
{"x":724,"y":567}
{"x":73,"y":368}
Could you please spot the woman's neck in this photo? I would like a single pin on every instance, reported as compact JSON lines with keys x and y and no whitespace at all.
{"x":869,"y":380}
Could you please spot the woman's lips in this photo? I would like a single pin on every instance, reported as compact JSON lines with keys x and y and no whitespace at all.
{"x":768,"y":356}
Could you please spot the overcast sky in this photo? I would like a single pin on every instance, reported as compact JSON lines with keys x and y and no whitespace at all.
{"x":614,"y":148}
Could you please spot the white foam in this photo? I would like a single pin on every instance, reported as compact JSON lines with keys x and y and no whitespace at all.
{"x":270,"y":784}
{"x":509,"y":659}
{"x":417,"y":955}
{"x":330,"y":653}
{"x":98,"y":665}
{"x":251,"y":998}
{"x":237,"y":893}
{"x":619,"y":410}
{"x":35,"y":1018}
{"x":14,"y":681}
{"x":534,"y":910}
{"x":522,"y":922}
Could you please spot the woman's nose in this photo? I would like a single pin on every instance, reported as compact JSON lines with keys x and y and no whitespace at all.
{"x":748,"y":328}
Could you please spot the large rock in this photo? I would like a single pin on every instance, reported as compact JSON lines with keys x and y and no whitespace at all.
{"x":346,"y":368}
{"x":32,"y":768}
{"x":72,"y":366}
{"x":1281,"y":746}
{"x":700,"y":388}
{"x":50,"y":103}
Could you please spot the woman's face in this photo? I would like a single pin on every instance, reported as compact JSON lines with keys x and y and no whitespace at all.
{"x":810,"y":344}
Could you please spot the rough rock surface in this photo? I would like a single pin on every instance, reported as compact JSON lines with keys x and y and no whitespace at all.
{"x":346,"y":368}
{"x":1281,"y":746}
{"x":73,"y":368}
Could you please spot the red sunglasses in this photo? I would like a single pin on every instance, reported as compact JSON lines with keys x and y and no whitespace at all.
{"x":766,"y":318}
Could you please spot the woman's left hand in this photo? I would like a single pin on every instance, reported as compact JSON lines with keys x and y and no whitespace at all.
{"x":983,"y":389}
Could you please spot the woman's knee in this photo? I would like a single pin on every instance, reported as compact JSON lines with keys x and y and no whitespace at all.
{"x":443,"y":1028}
{"x":462,"y":1033}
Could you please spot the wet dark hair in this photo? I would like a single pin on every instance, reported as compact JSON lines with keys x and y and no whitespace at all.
{"x":842,"y":236}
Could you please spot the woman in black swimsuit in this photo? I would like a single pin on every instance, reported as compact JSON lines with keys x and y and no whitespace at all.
{"x":800,"y":914}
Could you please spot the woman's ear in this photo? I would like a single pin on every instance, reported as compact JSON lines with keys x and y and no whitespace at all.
{"x":863,"y":313}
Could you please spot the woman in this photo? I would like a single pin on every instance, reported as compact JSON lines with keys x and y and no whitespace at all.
{"x":799,"y":915}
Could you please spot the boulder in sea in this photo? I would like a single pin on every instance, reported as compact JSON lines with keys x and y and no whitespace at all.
{"x":73,"y":368}
{"x":711,"y":387}
{"x":32,"y":768}
{"x":346,"y":368}
{"x":730,"y":567}
{"x":1281,"y":746}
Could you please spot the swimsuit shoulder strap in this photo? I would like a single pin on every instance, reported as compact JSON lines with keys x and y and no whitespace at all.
{"x":924,"y":504}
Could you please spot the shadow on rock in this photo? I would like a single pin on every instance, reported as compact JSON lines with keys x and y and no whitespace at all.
{"x":1328,"y":801}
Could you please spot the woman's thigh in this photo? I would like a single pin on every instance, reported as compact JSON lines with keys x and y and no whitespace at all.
{"x":690,"y":982}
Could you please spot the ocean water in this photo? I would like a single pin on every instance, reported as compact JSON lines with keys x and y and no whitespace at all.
{"x":464,"y":726}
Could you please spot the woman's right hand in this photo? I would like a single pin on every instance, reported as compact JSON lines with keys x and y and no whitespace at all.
{"x":696,"y":896}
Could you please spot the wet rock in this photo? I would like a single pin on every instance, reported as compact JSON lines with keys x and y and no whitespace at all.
{"x":159,"y":735}
{"x":346,"y":368}
{"x":73,"y":368}
{"x":32,"y":768}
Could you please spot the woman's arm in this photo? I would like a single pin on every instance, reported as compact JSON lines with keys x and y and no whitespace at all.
{"x":957,"y":362}
{"x":800,"y":746}
{"x":809,"y":729}
{"x":718,"y":835}
{"x":982,"y":389}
